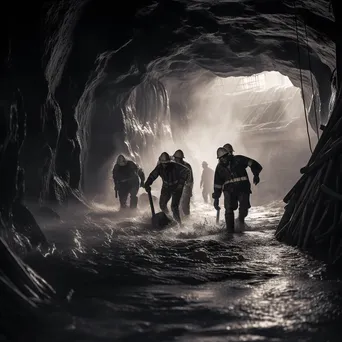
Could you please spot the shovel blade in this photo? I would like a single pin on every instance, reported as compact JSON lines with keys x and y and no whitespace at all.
{"x":160,"y":220}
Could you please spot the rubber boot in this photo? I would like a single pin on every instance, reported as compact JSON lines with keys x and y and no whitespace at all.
{"x":134,"y":202}
{"x":176,"y":216}
{"x":230,"y":222}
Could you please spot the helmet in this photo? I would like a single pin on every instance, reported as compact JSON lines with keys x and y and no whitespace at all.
{"x":122,"y":161}
{"x":179,"y":154}
{"x":164,"y":158}
{"x":204,"y":163}
{"x":221,"y":152}
{"x":229,"y":148}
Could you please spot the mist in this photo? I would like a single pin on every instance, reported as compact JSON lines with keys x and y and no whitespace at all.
{"x":262,"y":116}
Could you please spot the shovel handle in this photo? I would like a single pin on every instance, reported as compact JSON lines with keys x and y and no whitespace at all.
{"x":217,"y":216}
{"x":151,"y":203}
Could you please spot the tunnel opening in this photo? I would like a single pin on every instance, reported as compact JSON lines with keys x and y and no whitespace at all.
{"x":261,"y":115}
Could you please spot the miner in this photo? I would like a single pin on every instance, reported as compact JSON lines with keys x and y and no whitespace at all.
{"x":174,"y":177}
{"x":189,"y":184}
{"x":207,"y":179}
{"x":127,"y":177}
{"x":231,"y":178}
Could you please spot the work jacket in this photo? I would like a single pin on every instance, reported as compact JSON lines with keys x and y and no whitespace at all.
{"x":190,"y":181}
{"x":233,"y":177}
{"x":128,"y":174}
{"x":173,"y":175}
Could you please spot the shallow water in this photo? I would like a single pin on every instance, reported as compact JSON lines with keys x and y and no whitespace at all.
{"x":132,"y":284}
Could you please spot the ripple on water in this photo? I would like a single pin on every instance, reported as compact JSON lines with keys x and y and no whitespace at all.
{"x":193,"y":283}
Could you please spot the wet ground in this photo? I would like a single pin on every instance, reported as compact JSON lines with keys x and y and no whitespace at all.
{"x":194,"y":283}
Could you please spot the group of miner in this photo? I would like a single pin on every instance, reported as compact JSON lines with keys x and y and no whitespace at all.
{"x":230,"y":178}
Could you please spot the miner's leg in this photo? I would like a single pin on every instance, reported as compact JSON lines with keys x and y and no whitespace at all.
{"x":185,"y":201}
{"x":164,"y":198}
{"x":244,"y":205}
{"x":230,"y":204}
{"x":134,"y":197}
{"x":123,"y":194}
{"x":176,"y":197}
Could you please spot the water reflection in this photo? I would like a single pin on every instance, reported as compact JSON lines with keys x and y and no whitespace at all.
{"x":187,"y":284}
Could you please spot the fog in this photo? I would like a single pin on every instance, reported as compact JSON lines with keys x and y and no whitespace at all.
{"x":262,"y":116}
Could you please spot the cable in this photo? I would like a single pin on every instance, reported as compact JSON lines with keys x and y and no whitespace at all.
{"x":301,"y":76}
{"x":312,"y":85}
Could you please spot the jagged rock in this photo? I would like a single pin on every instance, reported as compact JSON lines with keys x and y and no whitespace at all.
{"x":26,"y":224}
{"x":200,"y":255}
{"x":23,"y":294}
{"x":48,"y":213}
{"x":312,"y":215}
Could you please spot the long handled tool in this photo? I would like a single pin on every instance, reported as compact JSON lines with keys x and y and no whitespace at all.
{"x":218,"y":216}
{"x":151,"y":204}
{"x":159,"y":220}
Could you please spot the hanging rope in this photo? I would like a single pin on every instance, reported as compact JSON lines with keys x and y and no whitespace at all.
{"x":301,"y":76}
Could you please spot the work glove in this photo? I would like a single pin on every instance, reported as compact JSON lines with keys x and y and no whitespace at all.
{"x":256,"y":180}
{"x":216,"y":204}
{"x":147,"y":187}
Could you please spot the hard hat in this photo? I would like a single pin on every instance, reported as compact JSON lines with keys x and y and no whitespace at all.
{"x":179,"y":154}
{"x":221,"y":152}
{"x":164,"y":158}
{"x":229,"y":148}
{"x":122,"y":161}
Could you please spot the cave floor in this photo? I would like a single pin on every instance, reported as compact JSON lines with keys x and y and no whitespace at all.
{"x":133,"y":284}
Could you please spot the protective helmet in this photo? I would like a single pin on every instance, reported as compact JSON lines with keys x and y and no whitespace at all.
{"x":179,"y":154}
{"x":121,"y":161}
{"x":204,"y":163}
{"x":221,"y":152}
{"x":229,"y":148}
{"x":164,"y":158}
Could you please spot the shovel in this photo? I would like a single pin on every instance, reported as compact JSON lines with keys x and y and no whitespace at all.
{"x":159,"y":220}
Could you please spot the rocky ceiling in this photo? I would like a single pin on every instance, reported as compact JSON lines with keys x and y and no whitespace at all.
{"x":68,"y":58}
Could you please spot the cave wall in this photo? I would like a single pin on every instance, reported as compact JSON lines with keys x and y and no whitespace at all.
{"x":35,"y":66}
{"x":198,"y":37}
{"x":70,"y":65}
{"x":76,"y":62}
